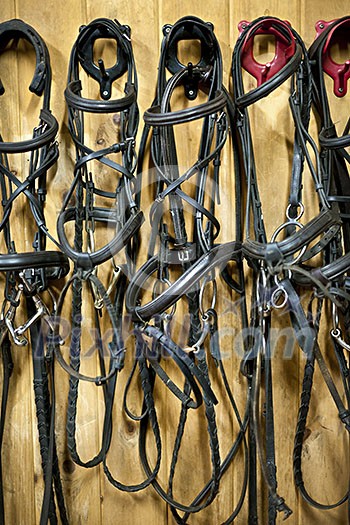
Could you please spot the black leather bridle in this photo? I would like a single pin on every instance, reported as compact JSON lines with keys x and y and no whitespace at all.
{"x":334,"y":160}
{"x":187,"y":250}
{"x":281,"y":266}
{"x":30,"y":273}
{"x":185,"y":259}
{"x":92,"y":221}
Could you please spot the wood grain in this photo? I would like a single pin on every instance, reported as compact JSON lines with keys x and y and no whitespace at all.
{"x":89,"y":496}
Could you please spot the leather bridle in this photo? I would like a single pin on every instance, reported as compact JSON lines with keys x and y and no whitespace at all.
{"x":185,"y":260}
{"x":190,"y":249}
{"x":334,"y":161}
{"x":280,"y":266}
{"x":29,"y":274}
{"x":122,"y":214}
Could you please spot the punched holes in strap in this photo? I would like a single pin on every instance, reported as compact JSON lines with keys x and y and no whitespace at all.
{"x":289,"y":246}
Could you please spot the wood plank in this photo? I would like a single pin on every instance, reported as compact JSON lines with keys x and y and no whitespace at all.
{"x":90,"y":498}
{"x":272,"y":142}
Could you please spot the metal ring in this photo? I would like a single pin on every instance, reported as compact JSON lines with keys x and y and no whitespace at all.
{"x":274,"y":299}
{"x":335,"y":332}
{"x":301,"y":213}
{"x":285,"y":274}
{"x":285,"y":225}
{"x":207,"y":315}
{"x":53,"y":299}
{"x":213,"y":299}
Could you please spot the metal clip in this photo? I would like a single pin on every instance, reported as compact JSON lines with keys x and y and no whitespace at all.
{"x":220,"y":117}
{"x":201,"y":296}
{"x":261,"y":287}
{"x":336,"y":331}
{"x":161,"y":282}
{"x":277,"y":294}
{"x":98,"y":299}
{"x":167,"y":318}
{"x":206,"y":330}
{"x":42,"y":311}
{"x":130,"y":141}
{"x":40,"y":127}
{"x":9,"y":317}
{"x":91,"y":240}
{"x":335,"y":317}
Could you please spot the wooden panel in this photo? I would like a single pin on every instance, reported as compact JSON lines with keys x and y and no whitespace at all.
{"x":325,"y":431}
{"x":89,"y":496}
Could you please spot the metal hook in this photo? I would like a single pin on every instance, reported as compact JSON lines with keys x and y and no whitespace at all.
{"x":101,"y":65}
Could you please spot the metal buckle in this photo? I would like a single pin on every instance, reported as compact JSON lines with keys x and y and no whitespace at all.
{"x":42,"y":311}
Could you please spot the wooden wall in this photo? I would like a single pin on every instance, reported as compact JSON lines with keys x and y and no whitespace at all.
{"x":90,"y":498}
